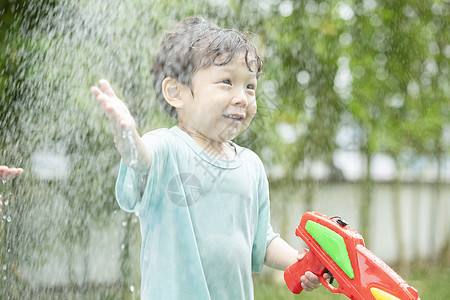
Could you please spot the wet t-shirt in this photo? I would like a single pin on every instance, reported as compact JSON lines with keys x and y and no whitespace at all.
{"x":205,"y":222}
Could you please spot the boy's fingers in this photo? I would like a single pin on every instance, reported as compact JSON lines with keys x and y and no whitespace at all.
{"x":104,"y":101}
{"x":310,"y":281}
{"x":106,"y":88}
{"x":309,"y":286}
{"x":312,"y":277}
{"x":103,"y":98}
{"x":115,"y":109}
{"x":301,"y":253}
{"x":95,"y":90}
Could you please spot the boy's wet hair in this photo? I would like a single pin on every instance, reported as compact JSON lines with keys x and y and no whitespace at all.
{"x":196,"y":44}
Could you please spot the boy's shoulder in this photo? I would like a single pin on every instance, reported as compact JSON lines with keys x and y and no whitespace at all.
{"x":157,"y":132}
{"x":158,"y":136}
{"x":163,"y":133}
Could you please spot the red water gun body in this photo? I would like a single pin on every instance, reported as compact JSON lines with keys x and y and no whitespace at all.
{"x":337,"y":249}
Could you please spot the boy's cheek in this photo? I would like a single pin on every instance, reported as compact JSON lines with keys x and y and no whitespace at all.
{"x":251,"y":112}
{"x":252,"y":105}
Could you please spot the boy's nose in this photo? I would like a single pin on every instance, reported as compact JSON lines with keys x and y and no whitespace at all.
{"x":240,"y":99}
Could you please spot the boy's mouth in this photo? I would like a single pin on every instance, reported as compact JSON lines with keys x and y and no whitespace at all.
{"x":237,"y":117}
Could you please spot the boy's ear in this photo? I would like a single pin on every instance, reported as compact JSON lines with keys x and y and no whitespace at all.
{"x":171,"y":89}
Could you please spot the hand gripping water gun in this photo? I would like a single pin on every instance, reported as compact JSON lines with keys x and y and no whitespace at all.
{"x":337,"y":249}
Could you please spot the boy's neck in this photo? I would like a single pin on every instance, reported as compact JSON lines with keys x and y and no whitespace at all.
{"x":222,"y":150}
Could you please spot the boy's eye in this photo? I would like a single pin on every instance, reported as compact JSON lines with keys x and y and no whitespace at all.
{"x":251,"y":87}
{"x":226,"y":81}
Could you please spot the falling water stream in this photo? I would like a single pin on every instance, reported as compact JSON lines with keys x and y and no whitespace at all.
{"x":62,"y":232}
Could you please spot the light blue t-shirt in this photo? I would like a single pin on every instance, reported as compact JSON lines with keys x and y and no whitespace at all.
{"x":205,"y":222}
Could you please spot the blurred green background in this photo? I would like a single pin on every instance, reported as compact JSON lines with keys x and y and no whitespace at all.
{"x":353,"y":119}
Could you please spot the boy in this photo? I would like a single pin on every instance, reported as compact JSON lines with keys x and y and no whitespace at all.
{"x":202,"y":201}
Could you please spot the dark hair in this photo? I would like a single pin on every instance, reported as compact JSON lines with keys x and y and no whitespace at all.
{"x":195,"y":44}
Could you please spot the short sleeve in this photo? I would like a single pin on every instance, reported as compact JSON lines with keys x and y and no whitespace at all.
{"x":129,"y":184}
{"x":264,"y":232}
{"x":270,"y":235}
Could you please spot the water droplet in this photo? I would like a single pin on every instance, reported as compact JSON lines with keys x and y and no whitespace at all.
{"x":8,"y":219}
{"x":125,"y":134}
{"x":4,"y":180}
{"x":124,"y":224}
{"x":132,"y":288}
{"x":128,"y":134}
{"x":4,"y":267}
{"x":4,"y":278}
{"x":122,"y":247}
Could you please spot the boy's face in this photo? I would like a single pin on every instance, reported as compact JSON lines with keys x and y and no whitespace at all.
{"x":222,"y":103}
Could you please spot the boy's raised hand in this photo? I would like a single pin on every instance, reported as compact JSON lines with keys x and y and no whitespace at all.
{"x":115,"y":109}
{"x":126,"y":138}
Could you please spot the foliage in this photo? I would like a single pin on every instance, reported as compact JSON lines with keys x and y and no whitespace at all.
{"x":376,"y":68}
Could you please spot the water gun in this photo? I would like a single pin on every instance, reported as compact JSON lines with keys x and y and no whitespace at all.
{"x":337,"y":249}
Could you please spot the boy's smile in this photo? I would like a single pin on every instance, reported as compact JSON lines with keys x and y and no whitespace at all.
{"x":220,"y":104}
{"x":235,"y":117}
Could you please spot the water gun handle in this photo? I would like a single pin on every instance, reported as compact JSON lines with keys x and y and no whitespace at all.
{"x":293,"y":273}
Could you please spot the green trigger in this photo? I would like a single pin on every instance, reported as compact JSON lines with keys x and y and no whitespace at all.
{"x":333,"y":244}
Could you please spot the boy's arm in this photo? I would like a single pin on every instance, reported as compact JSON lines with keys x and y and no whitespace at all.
{"x":280,"y":255}
{"x":127,"y":140}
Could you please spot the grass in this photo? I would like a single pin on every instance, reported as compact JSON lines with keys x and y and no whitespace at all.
{"x":431,"y":282}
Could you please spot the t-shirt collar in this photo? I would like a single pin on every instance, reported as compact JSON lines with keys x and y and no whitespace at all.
{"x":205,"y":156}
